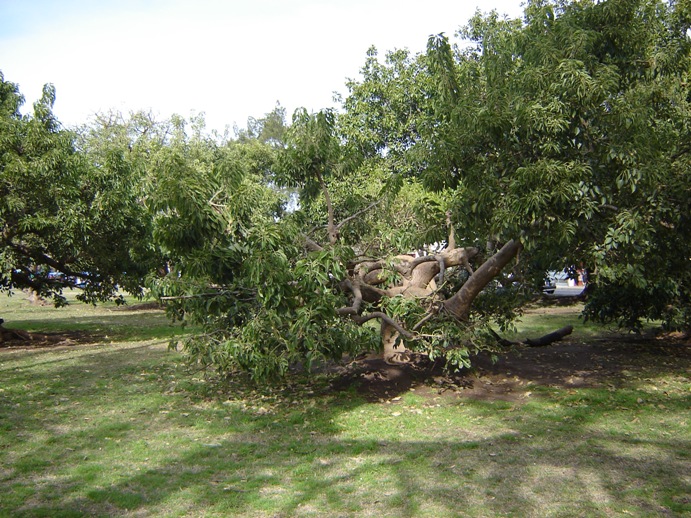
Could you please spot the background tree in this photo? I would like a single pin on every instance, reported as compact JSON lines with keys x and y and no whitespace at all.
{"x":268,"y":129}
{"x":577,"y":143}
{"x":66,"y":220}
{"x":565,"y":131}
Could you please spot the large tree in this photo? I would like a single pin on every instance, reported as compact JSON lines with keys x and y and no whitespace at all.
{"x":576,"y":140}
{"x":452,"y":181}
{"x":567,"y":131}
{"x":68,"y":216}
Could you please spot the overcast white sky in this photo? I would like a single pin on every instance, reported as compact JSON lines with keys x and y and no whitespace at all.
{"x":229,"y":59}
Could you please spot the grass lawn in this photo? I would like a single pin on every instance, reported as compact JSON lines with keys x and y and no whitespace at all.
{"x":116,"y":425}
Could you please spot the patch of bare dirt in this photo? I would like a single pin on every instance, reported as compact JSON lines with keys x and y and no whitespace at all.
{"x":566,"y":364}
{"x":39,"y":340}
{"x":142,"y":306}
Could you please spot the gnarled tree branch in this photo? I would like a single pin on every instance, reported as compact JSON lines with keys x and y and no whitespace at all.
{"x":361,"y":319}
{"x":459,"y":304}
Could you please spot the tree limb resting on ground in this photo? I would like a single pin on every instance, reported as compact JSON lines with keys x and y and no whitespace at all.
{"x":535,"y":342}
{"x":549,"y":338}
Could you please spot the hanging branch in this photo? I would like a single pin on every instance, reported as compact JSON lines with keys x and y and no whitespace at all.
{"x":361,"y":319}
{"x":354,"y":308}
{"x":358,"y":214}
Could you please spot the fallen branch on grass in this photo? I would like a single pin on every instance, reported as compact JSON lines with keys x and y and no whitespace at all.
{"x":535,"y":342}
{"x":550,"y":337}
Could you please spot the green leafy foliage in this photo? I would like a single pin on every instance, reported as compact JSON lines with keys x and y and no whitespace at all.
{"x":563,"y":136}
{"x":568,"y":129}
{"x":67,"y":216}
{"x":236,"y":263}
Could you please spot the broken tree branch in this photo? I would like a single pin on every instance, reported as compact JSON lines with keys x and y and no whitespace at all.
{"x":331,"y":228}
{"x":312,"y":245}
{"x":452,"y":236}
{"x":354,"y":308}
{"x":459,"y":304}
{"x":12,"y":334}
{"x":431,"y":313}
{"x":549,"y":338}
{"x":358,"y":214}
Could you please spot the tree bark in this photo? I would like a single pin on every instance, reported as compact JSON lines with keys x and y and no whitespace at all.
{"x":331,"y":227}
{"x":459,"y":304}
{"x":388,"y":339}
{"x":34,"y":298}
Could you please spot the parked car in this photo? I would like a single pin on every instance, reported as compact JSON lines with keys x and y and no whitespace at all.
{"x":549,"y":286}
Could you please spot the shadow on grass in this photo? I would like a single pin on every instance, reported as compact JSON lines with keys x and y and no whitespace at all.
{"x":109,"y":326}
{"x":406,"y":478}
{"x":117,"y":432}
{"x":504,"y":475}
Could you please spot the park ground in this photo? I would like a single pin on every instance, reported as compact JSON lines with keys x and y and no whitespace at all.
{"x":98,"y":417}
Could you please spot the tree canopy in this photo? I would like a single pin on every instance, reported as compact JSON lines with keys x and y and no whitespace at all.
{"x":416,"y":218}
{"x":70,"y":215}
{"x":567,"y":130}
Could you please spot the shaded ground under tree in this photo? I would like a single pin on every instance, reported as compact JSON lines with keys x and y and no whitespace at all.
{"x":570,"y":363}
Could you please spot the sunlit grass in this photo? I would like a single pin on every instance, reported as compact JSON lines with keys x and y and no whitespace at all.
{"x":540,"y":319}
{"x":108,"y":321}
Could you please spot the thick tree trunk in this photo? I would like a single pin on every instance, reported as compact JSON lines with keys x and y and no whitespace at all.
{"x":388,"y":339}
{"x":418,"y":280}
{"x":34,"y":298}
{"x":459,"y":305}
